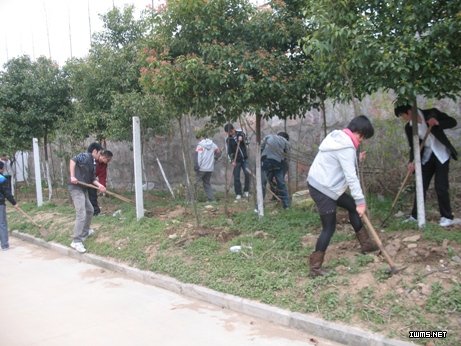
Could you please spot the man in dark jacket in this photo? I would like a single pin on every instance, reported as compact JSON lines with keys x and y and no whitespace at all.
{"x":5,"y":194}
{"x":101,"y":174}
{"x":82,"y":169}
{"x":237,"y":152}
{"x":435,"y":155}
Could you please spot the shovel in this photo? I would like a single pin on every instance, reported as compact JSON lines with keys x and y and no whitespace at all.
{"x":116,"y":195}
{"x":43,"y":232}
{"x":374,"y":235}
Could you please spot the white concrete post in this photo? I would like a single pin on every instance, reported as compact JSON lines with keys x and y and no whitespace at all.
{"x":137,"y":168}
{"x":38,"y":175}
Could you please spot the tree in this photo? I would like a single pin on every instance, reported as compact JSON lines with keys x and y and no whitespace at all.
{"x":34,"y":99}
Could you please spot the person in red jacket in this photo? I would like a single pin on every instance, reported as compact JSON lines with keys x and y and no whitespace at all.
{"x":101,"y":175}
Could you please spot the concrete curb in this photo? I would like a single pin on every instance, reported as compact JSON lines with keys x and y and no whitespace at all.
{"x":336,"y":332}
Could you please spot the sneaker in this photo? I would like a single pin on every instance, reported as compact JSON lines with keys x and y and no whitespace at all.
{"x":410,"y":219}
{"x":5,"y":248}
{"x":246,"y":194}
{"x":446,"y":222}
{"x":90,"y":233}
{"x":238,"y":197}
{"x":78,"y":246}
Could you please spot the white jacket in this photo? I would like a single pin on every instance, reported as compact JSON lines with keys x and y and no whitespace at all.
{"x":334,"y":168}
{"x":205,"y":155}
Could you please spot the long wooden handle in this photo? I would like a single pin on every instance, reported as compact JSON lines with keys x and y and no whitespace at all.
{"x":374,"y":235}
{"x":116,"y":195}
{"x":28,"y":217}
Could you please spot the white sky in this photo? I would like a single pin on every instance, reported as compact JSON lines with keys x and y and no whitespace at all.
{"x":23,"y":26}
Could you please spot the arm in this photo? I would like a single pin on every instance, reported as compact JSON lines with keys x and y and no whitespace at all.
{"x":73,"y":180}
{"x":347,"y":159}
{"x":435,"y":117}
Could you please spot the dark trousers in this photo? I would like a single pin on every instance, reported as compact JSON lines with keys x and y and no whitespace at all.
{"x":327,"y":210}
{"x":441,"y":184}
{"x":273,"y":169}
{"x":241,"y":166}
{"x":93,"y":196}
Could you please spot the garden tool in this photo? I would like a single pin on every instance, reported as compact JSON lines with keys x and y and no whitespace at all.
{"x":405,"y":180}
{"x":375,"y":237}
{"x":116,"y":195}
{"x":43,"y":232}
{"x":268,"y":189}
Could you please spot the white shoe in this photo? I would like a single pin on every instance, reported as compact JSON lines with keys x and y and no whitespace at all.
{"x":246,"y":194}
{"x":446,"y":222}
{"x":410,"y":219}
{"x":90,"y":233}
{"x":238,"y":197}
{"x":78,"y":246}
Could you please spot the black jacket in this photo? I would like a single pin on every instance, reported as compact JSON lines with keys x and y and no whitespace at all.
{"x":232,"y":147}
{"x":445,"y":122}
{"x":5,"y":193}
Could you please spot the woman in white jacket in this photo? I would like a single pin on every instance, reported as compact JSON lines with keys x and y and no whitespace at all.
{"x":332,"y":172}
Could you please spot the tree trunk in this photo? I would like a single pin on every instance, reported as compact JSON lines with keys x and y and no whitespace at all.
{"x":47,"y":167}
{"x":259,"y":190}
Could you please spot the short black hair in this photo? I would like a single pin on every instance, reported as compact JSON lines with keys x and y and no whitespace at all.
{"x":362,"y":125}
{"x":2,"y":165}
{"x":107,"y":153}
{"x":284,"y":135}
{"x":93,"y":146}
{"x":228,"y":127}
{"x":399,"y":110}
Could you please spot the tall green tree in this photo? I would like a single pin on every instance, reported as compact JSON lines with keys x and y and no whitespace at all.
{"x":34,"y":100}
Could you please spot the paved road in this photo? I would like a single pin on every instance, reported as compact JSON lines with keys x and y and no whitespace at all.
{"x":50,"y":299}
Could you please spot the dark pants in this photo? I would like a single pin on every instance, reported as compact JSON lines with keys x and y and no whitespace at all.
{"x":327,"y":210}
{"x":241,"y":166}
{"x":273,"y":169}
{"x":93,"y":196}
{"x":441,"y":184}
{"x":204,"y":177}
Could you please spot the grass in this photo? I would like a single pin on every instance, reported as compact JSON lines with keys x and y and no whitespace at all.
{"x":272,"y":266}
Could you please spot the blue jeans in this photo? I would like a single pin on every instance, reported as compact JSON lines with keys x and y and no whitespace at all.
{"x":3,"y":228}
{"x":241,"y":165}
{"x":274,"y":169}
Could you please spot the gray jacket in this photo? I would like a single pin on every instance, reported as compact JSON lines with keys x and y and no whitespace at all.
{"x":275,"y":147}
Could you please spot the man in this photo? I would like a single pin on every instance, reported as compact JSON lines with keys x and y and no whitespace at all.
{"x":435,"y":155}
{"x":274,"y":155}
{"x":237,"y":152}
{"x":205,"y":154}
{"x":101,"y":175}
{"x":82,"y":169}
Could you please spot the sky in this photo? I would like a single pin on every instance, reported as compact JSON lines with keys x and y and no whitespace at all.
{"x":56,"y":28}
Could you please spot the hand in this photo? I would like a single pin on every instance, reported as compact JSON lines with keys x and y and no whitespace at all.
{"x":16,"y":206}
{"x":101,"y":188}
{"x":362,"y":156}
{"x":73,"y":180}
{"x":240,"y":138}
{"x":234,"y":163}
{"x":433,"y":122}
{"x":361,"y":209}
{"x":411,"y":167}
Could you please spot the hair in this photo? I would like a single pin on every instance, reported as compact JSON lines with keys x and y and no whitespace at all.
{"x":228,"y":127}
{"x":94,"y":146}
{"x":284,"y":135}
{"x":362,"y":125}
{"x":2,"y":165}
{"x":399,"y":110}
{"x":107,"y":153}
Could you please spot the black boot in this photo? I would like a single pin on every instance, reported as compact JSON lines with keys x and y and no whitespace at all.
{"x":315,"y":264}
{"x":366,"y":244}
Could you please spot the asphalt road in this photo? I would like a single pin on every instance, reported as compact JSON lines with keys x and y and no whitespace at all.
{"x":50,"y":299}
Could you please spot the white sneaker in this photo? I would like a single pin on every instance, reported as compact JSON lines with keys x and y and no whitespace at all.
{"x":410,"y":219}
{"x":78,"y":246}
{"x":238,"y":197}
{"x":90,"y":233}
{"x":246,"y":194}
{"x":446,"y":222}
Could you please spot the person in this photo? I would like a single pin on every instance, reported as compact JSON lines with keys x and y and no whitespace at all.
{"x":82,"y":169}
{"x":237,"y":152}
{"x":101,"y":175}
{"x":205,"y":154}
{"x":7,"y":167}
{"x":435,"y":155}
{"x":274,"y":154}
{"x":332,"y":172}
{"x":5,"y":193}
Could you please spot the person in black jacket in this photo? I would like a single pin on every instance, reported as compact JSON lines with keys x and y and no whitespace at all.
{"x":237,"y":152}
{"x":5,"y":193}
{"x":435,"y":155}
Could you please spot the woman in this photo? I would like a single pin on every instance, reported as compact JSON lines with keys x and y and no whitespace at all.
{"x":331,"y":173}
